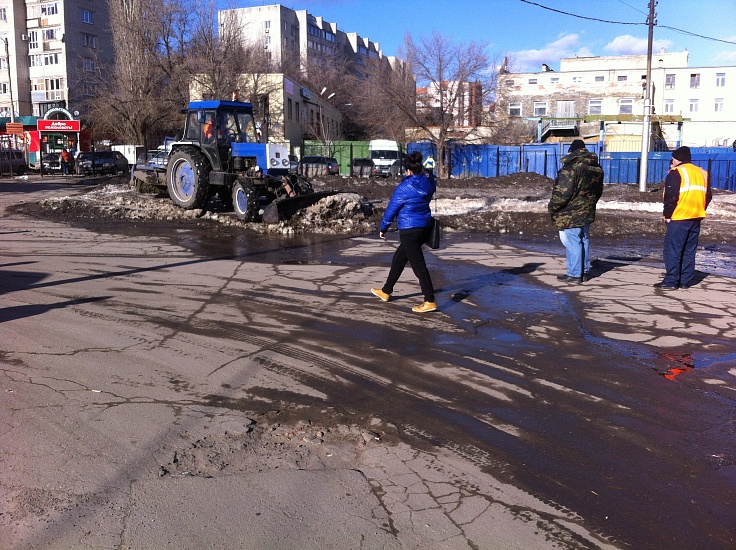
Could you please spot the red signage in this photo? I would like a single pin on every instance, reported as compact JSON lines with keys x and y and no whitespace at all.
{"x":58,"y":125}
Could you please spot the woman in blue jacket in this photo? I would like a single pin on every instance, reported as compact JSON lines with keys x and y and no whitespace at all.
{"x":409,"y":204}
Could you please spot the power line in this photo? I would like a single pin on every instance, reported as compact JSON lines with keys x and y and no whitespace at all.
{"x":632,"y":7}
{"x":579,"y":16}
{"x":697,"y":35}
{"x":627,"y":23}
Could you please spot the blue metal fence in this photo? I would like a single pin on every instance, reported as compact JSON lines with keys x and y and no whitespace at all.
{"x":619,"y":167}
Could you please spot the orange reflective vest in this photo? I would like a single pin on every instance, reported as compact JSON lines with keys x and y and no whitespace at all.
{"x":693,"y":192}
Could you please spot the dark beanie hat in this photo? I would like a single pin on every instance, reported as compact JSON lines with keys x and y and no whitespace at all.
{"x":682,"y":154}
{"x":575,"y":145}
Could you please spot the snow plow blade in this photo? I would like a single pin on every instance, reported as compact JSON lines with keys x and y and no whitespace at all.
{"x":286,"y":208}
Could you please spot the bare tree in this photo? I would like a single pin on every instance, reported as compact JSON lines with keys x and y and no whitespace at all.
{"x":383,"y":99}
{"x":132,"y":100}
{"x":459,"y":79}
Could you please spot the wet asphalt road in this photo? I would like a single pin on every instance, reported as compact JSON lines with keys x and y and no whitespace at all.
{"x":605,"y":400}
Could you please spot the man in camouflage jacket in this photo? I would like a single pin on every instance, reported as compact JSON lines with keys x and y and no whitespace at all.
{"x":578,"y":186}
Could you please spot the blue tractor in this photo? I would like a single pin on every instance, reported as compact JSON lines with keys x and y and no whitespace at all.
{"x":220,"y":154}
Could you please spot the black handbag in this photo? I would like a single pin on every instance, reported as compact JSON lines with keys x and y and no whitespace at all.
{"x":433,"y":238}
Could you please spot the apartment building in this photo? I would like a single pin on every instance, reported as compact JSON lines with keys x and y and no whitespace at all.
{"x":300,"y":39}
{"x":594,"y":95}
{"x":468,"y":107}
{"x":52,"y":52}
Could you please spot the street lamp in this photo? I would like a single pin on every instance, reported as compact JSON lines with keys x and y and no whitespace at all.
{"x":10,"y":78}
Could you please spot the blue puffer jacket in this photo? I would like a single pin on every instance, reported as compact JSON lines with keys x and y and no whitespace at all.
{"x":410,"y":203}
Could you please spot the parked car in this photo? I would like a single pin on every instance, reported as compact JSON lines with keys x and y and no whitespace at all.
{"x":105,"y":162}
{"x":51,"y":163}
{"x":12,"y":161}
{"x":313,"y":165}
{"x":333,"y":167}
{"x":362,"y":168}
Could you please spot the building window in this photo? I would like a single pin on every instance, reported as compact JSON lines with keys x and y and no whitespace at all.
{"x":532,"y":81}
{"x":625,"y":106}
{"x":88,"y":40}
{"x":555,"y":80}
{"x":540,"y":108}
{"x":51,"y":8}
{"x":577,"y":78}
{"x":595,"y":106}
{"x":669,"y":106}
{"x":266,"y":24}
{"x":298,"y":112}
{"x":3,"y":88}
{"x":4,"y":15}
{"x":669,"y":82}
{"x":509,"y":83}
{"x":720,"y":80}
{"x":88,"y":65}
{"x":695,"y":80}
{"x":33,"y":40}
{"x":719,"y":104}
{"x":43,"y":59}
{"x":693,"y":105}
{"x":622,"y":78}
{"x":49,"y":34}
{"x":600,"y":78}
{"x":87,"y":16}
{"x":515,"y":109}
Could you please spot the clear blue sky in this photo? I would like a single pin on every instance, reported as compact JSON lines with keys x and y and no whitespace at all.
{"x":531,"y":35}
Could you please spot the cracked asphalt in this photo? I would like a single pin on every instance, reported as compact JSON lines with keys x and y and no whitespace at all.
{"x":167,"y":388}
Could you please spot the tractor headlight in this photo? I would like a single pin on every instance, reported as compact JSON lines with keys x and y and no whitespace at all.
{"x":285,"y":162}
{"x":274,"y":162}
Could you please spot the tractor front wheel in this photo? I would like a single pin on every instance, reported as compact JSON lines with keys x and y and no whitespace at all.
{"x":245,"y":201}
{"x":186,"y":179}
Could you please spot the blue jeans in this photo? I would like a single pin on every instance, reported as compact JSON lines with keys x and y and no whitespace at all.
{"x":575,"y":241}
{"x":680,"y":245}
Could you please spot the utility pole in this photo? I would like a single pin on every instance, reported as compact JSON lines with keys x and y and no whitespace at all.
{"x":646,"y":131}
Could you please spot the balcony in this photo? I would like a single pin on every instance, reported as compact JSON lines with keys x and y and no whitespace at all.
{"x":560,"y":127}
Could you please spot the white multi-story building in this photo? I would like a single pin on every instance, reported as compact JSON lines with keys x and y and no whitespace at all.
{"x":298,"y":38}
{"x":53,"y":50}
{"x":690,"y":105}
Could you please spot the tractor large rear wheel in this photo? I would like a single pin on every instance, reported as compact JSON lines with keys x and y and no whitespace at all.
{"x":186,"y":179}
{"x":245,"y":201}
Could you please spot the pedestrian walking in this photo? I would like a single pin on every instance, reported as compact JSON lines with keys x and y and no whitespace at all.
{"x":577,"y":188}
{"x":686,"y":196}
{"x":409,"y":205}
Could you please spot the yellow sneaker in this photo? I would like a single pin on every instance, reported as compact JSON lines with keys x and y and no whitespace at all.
{"x":381,"y":294}
{"x":425,"y":307}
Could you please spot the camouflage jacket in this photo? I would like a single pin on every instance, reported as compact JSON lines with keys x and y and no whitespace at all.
{"x":578,"y":186}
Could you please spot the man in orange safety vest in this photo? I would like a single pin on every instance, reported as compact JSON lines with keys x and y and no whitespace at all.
{"x":686,"y":195}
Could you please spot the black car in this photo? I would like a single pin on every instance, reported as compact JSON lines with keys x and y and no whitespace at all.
{"x":51,"y":163}
{"x":105,"y":162}
{"x":333,"y":167}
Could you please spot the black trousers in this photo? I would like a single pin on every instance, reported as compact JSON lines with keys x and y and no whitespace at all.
{"x":410,"y":250}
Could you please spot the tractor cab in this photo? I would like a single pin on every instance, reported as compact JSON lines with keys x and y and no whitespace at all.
{"x":216,"y":126}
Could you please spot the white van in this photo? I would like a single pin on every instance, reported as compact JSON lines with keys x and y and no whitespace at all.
{"x":386,"y":156}
{"x":12,"y":161}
